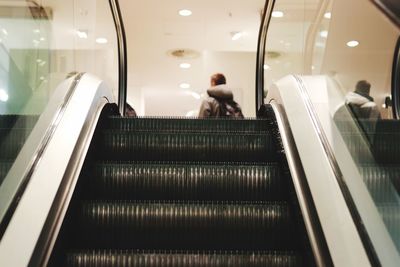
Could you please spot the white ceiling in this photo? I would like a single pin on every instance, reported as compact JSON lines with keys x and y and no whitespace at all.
{"x":154,"y":27}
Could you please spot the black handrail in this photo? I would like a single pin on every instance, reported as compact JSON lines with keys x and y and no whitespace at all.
{"x":396,"y":81}
{"x":122,"y":56}
{"x":262,"y":40}
{"x":391,"y":8}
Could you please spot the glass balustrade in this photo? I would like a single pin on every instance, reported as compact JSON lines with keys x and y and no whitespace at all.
{"x":344,"y":53}
{"x":44,"y":43}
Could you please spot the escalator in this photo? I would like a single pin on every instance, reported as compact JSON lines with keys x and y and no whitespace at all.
{"x":14,"y":130}
{"x":183,"y":192}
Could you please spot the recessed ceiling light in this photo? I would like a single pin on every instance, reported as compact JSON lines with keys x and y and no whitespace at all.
{"x":353,"y":43}
{"x":277,"y":14}
{"x":36,"y":31}
{"x":5,"y":32}
{"x":236,"y":35}
{"x":101,"y":40}
{"x":42,"y":39}
{"x":3,"y":95}
{"x":266,"y":67}
{"x":184,"y":85}
{"x":82,"y":34}
{"x":185,"y":12}
{"x":328,"y":15}
{"x":323,"y":34}
{"x":185,"y":65}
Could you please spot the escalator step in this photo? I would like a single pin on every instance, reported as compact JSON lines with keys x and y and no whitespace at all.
{"x":195,"y":225}
{"x":11,"y":142}
{"x":18,"y":121}
{"x":381,"y":180}
{"x":153,"y":146}
{"x":128,"y":258}
{"x":188,"y":125}
{"x":172,"y":181}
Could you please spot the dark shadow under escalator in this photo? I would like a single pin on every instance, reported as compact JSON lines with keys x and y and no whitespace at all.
{"x":183,"y":192}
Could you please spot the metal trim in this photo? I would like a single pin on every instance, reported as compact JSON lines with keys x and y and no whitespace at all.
{"x":390,"y":8}
{"x":396,"y":81}
{"x":310,"y":215}
{"x":365,"y":239}
{"x":38,"y":155}
{"x":262,"y":41}
{"x":122,"y":55}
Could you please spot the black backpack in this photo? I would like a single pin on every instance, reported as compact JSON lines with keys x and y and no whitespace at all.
{"x":230,"y":109}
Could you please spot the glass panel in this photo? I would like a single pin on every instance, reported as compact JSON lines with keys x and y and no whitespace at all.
{"x":344,"y":51}
{"x":286,"y":40}
{"x":353,"y":48}
{"x":42,"y":43}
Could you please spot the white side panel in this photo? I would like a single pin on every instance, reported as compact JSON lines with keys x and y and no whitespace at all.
{"x":24,"y":229}
{"x":341,"y":235}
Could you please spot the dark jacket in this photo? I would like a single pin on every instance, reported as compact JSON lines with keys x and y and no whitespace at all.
{"x":210,"y":107}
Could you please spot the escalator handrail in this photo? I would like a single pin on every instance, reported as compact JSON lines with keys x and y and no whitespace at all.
{"x":312,"y":223}
{"x":122,"y":55}
{"x":391,"y":8}
{"x":30,"y":169}
{"x":262,"y":40}
{"x":49,"y":234}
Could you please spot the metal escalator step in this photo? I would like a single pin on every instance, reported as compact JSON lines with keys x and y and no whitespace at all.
{"x":11,"y":142}
{"x":129,"y":258}
{"x":188,"y":125}
{"x":188,"y":146}
{"x":382,"y":181}
{"x":18,"y":121}
{"x":174,"y":181}
{"x":180,"y":225}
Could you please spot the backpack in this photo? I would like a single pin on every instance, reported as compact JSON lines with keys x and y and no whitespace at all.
{"x":230,"y":109}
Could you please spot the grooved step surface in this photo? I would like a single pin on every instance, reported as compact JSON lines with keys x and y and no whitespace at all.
{"x":11,"y":142}
{"x":382,"y":181}
{"x":18,"y":121}
{"x":173,"y":181}
{"x":194,"y":225}
{"x":188,"y":125}
{"x":188,"y":146}
{"x":106,"y":258}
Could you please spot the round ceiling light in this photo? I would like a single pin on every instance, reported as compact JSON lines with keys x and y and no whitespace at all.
{"x":277,"y":14}
{"x":101,"y":40}
{"x":185,"y":12}
{"x":184,"y":85}
{"x":353,"y":43}
{"x":185,"y":65}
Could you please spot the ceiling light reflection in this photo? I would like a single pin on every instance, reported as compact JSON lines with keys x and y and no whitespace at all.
{"x":277,"y":14}
{"x":323,"y":34}
{"x":101,"y":40}
{"x":82,"y":34}
{"x":236,"y":35}
{"x":3,"y":95}
{"x":328,"y":15}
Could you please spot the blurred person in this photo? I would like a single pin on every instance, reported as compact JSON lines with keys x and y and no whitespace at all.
{"x":220,"y":102}
{"x":361,"y":103}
